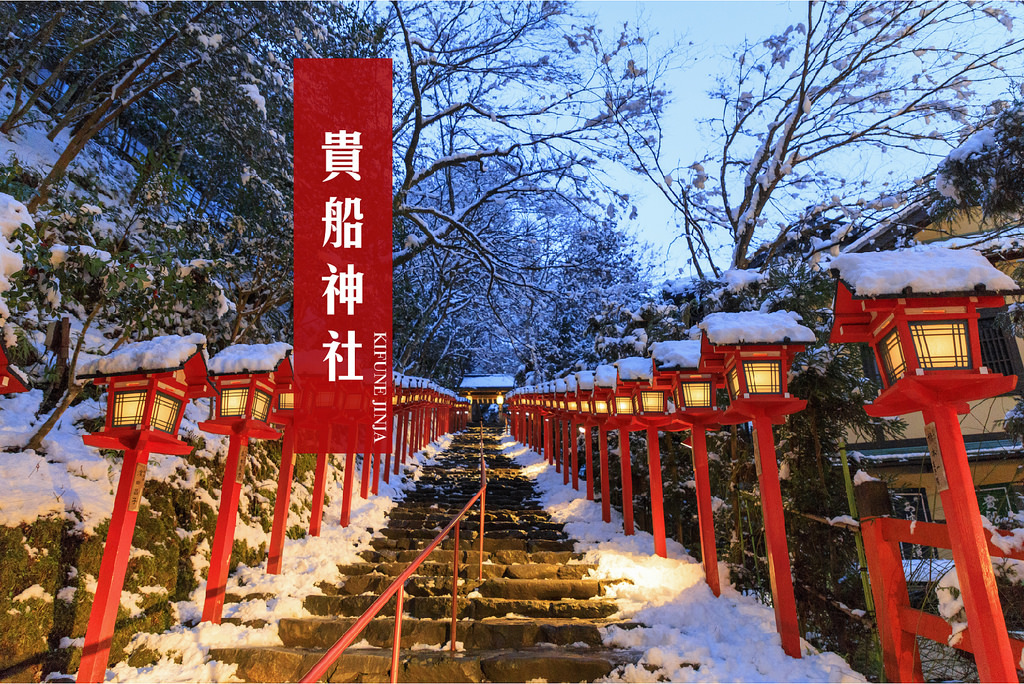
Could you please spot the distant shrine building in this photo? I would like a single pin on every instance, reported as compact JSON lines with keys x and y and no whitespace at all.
{"x":485,"y":391}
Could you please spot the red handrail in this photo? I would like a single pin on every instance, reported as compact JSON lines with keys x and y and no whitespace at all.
{"x":398,"y":588}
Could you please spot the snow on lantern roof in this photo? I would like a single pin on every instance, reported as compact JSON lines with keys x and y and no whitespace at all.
{"x":932,"y":270}
{"x":570,"y":383}
{"x":472,"y":382}
{"x":676,"y":354}
{"x":249,"y":358}
{"x":585,"y":380}
{"x":606,"y":376}
{"x":560,"y":385}
{"x":635,"y":368}
{"x":167,"y":352}
{"x":753,"y":327}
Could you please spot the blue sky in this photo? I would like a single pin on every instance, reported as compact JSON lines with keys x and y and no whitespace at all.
{"x":715,"y":30}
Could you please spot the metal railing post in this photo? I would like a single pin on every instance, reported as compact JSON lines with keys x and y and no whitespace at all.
{"x":397,"y":643}
{"x":455,"y":584}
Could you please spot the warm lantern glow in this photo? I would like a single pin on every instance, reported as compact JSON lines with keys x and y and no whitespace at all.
{"x":501,"y":400}
{"x":892,"y":356}
{"x":942,"y":344}
{"x":572,"y":406}
{"x":165,"y":413}
{"x":652,"y":401}
{"x":584,"y":406}
{"x":261,"y":405}
{"x":733,"y":378}
{"x":763,"y":377}
{"x":600,"y":406}
{"x":232,"y":401}
{"x":623,"y":406}
{"x":696,"y":394}
{"x":128,"y":408}
{"x":286,"y":401}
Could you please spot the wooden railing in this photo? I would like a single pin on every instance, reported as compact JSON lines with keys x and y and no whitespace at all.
{"x":397,"y":588}
{"x":899,"y":624}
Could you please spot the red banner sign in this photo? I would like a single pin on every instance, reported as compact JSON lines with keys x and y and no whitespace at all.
{"x":343,"y":245}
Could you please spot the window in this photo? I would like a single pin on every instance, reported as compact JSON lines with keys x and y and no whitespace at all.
{"x":998,"y":348}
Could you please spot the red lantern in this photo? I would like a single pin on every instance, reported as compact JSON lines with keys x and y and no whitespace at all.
{"x":148,"y":385}
{"x":754,"y":351}
{"x":919,"y":312}
{"x":695,"y":398}
{"x":245,"y":377}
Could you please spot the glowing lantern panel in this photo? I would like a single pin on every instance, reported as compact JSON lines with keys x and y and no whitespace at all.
{"x":232,"y":401}
{"x":128,"y":408}
{"x":941,"y":344}
{"x":695,"y":394}
{"x":763,"y":377}
{"x":261,"y":406}
{"x":623,"y":405}
{"x":165,"y":413}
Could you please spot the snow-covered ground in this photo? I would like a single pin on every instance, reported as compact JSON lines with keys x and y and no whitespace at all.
{"x":307,"y":561}
{"x":689,"y":635}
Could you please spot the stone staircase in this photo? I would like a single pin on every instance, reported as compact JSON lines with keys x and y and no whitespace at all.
{"x":533,"y":616}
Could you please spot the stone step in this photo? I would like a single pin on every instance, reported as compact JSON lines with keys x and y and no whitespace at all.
{"x":506,"y":531}
{"x":490,"y":544}
{"x":280,"y":664}
{"x":471,"y":523}
{"x":322,"y":633}
{"x":499,"y":587}
{"x":469,"y":569}
{"x":445,"y":556}
{"x":473,"y":608}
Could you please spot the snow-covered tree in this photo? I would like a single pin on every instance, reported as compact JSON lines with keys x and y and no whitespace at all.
{"x":851,"y":86}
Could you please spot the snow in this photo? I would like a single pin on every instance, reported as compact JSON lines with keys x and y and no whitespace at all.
{"x":253,"y":93}
{"x":929,"y":270}
{"x":160,"y":353}
{"x":59,"y":253}
{"x":12,"y":214}
{"x":686,"y":633}
{"x":36,"y":591}
{"x":585,"y":380}
{"x":487,"y":382}
{"x":860,"y":477}
{"x":676,"y":354}
{"x":71,"y":480}
{"x":606,"y":376}
{"x":249,"y":358}
{"x":737,"y":279}
{"x":570,"y":383}
{"x":635,"y":368}
{"x":974,"y":144}
{"x":753,"y":327}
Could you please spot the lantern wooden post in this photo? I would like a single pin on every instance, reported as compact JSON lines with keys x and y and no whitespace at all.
{"x":606,"y":503}
{"x":588,"y":444}
{"x":349,"y":475}
{"x":921,"y":320}
{"x":705,"y":514}
{"x":754,"y":351}
{"x":319,"y":490}
{"x":626,"y":471}
{"x":283,"y":415}
{"x":676,"y":364}
{"x":244,"y":376}
{"x":145,"y":405}
{"x":116,"y":554}
{"x":282,"y":504}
